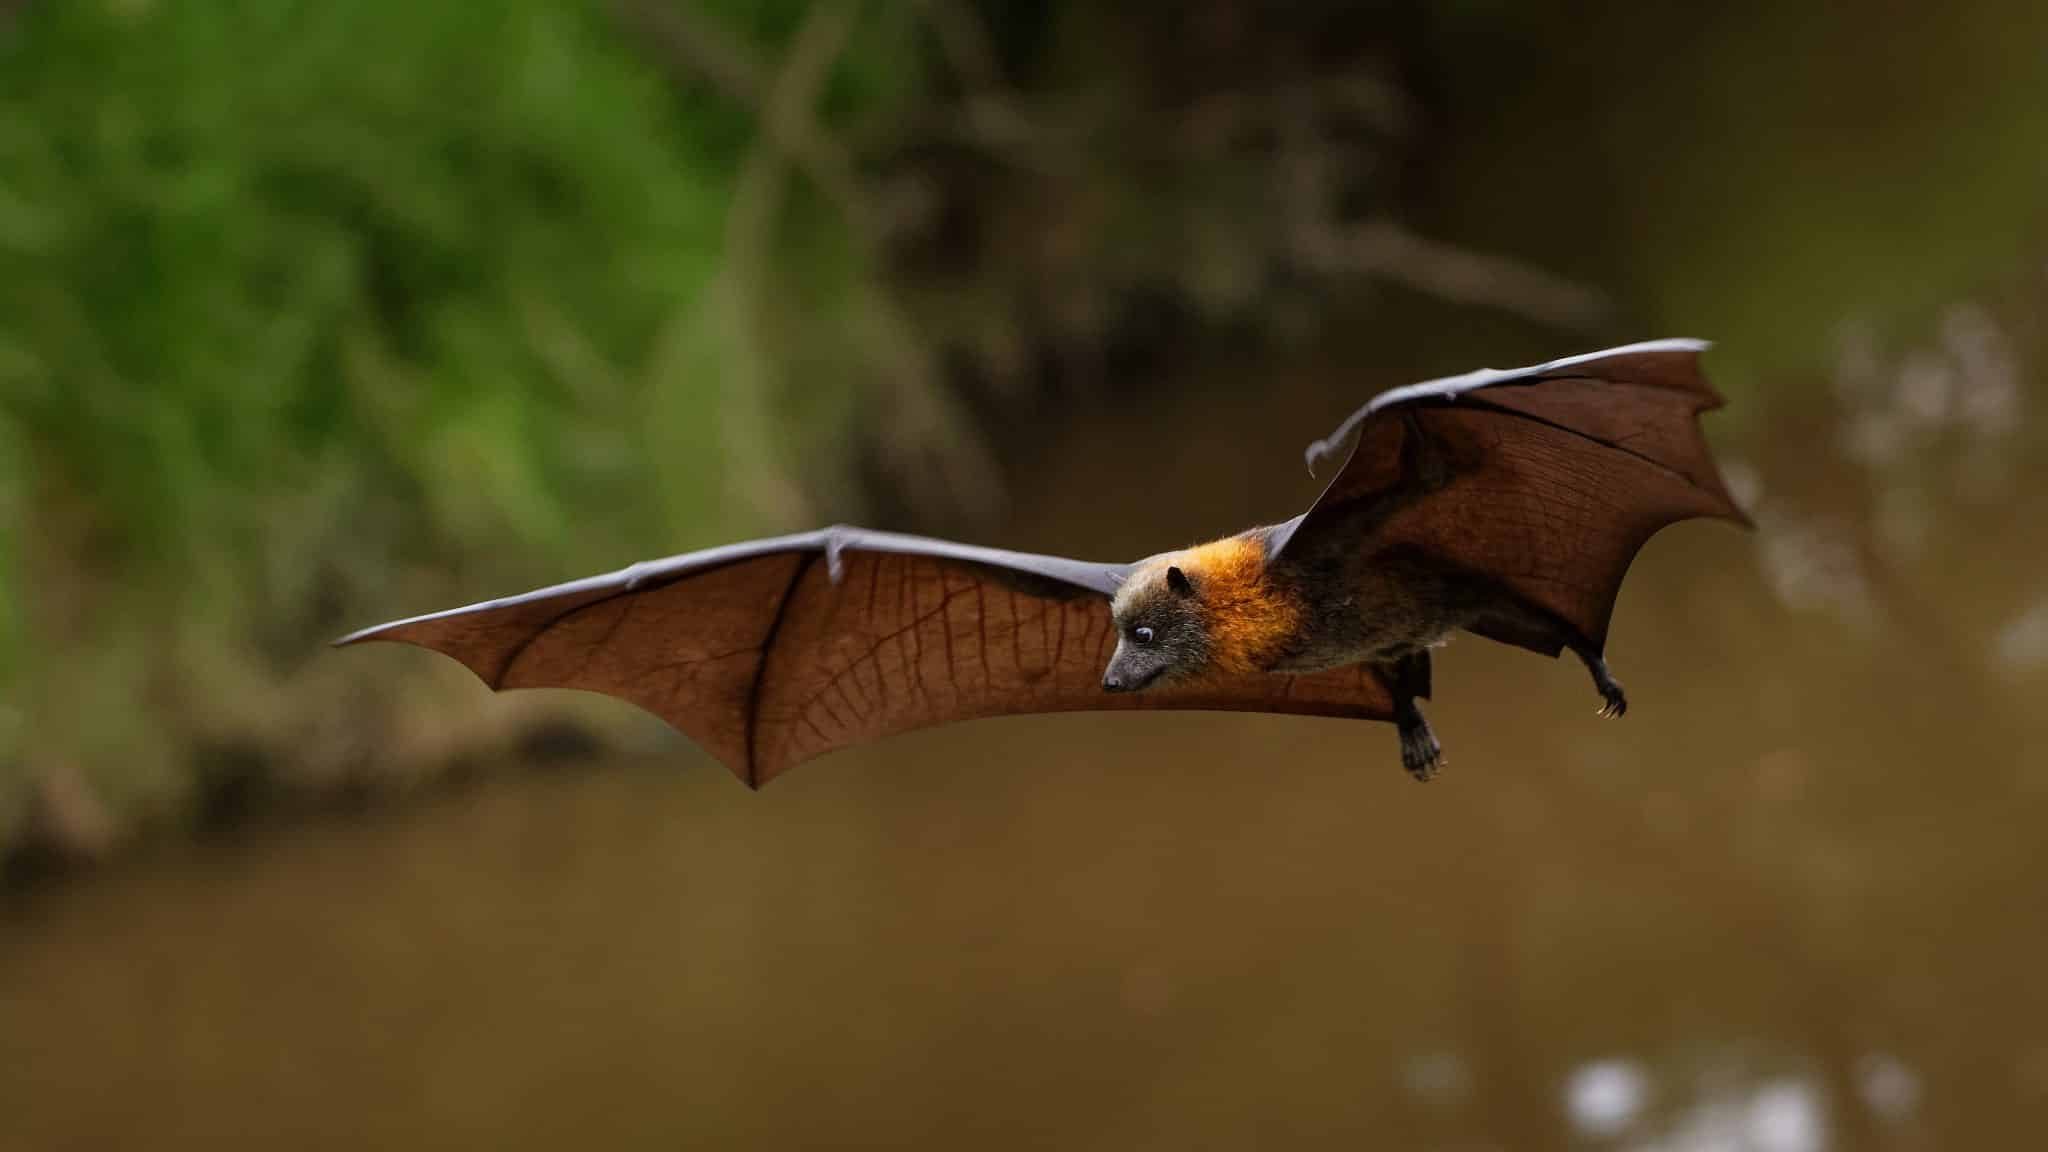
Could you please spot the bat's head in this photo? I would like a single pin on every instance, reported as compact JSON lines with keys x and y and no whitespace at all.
{"x":1205,"y":611}
{"x":1162,"y":634}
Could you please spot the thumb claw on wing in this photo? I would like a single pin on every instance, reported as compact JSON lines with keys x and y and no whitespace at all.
{"x":1317,"y":453}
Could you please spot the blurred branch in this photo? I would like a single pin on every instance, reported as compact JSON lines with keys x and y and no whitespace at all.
{"x":735,"y":300}
{"x":991,"y":113}
{"x":1308,"y":167}
{"x":964,"y":41}
{"x":1384,"y":249}
{"x":783,"y":105}
{"x":696,"y":48}
{"x":1231,"y":112}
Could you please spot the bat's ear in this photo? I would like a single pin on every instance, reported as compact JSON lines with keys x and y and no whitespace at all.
{"x":1178,"y":581}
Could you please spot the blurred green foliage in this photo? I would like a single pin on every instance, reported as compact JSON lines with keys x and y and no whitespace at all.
{"x":309,"y":312}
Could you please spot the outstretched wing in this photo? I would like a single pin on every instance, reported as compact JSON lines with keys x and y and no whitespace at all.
{"x":1548,"y":479}
{"x":772,"y":652}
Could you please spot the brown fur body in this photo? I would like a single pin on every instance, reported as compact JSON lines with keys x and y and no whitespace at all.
{"x":1313,"y":609}
{"x":1229,"y":608}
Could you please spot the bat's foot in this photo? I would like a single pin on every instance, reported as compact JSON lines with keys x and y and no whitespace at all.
{"x":1407,"y":678}
{"x":1610,"y":691}
{"x":1421,"y":755}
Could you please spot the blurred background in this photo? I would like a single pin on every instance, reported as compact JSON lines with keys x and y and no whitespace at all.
{"x":314,"y":315}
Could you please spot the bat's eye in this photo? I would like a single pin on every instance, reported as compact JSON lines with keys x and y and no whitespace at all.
{"x":1141,"y":634}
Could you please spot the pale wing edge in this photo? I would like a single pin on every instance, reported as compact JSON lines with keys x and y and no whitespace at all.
{"x":1084,"y":576}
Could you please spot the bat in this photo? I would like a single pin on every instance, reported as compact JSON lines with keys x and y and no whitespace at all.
{"x":1504,"y":503}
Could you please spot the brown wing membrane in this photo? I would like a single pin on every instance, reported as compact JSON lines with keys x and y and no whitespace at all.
{"x":1548,"y":479}
{"x":775,"y":652}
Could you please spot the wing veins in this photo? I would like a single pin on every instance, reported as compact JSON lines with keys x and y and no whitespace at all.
{"x":871,"y":654}
{"x":1504,"y":410}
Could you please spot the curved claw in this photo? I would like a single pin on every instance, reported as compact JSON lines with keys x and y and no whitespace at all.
{"x":1616,"y":702}
{"x":1317,"y":455}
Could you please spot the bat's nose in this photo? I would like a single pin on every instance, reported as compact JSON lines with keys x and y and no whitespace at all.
{"x":1111,"y":682}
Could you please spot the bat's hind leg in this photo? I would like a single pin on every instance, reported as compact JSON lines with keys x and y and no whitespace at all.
{"x":1603,"y":680}
{"x":1408,"y":678}
{"x":1513,"y":621}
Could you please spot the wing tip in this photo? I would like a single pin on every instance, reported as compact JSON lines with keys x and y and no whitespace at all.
{"x":363,"y":635}
{"x":1679,"y":344}
{"x":1701,"y":384}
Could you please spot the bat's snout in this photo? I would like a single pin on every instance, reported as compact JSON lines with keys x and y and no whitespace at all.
{"x":1133,"y":669}
{"x":1124,"y":675}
